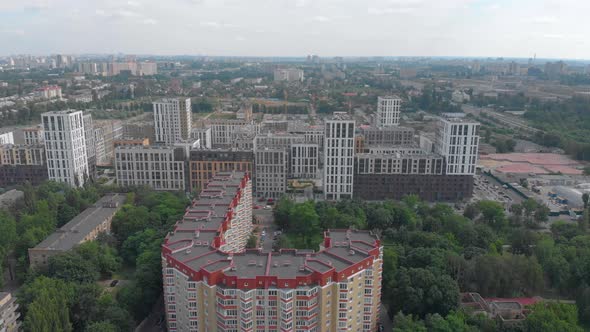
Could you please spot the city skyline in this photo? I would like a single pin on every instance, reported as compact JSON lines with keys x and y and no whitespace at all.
{"x":470,"y":28}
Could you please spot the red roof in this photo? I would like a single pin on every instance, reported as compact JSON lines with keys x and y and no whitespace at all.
{"x":524,"y":301}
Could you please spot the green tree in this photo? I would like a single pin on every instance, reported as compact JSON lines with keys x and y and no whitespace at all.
{"x":492,"y":213}
{"x":70,"y":266}
{"x":252,"y":241}
{"x":420,"y":292}
{"x":407,"y":323}
{"x":101,"y":327}
{"x":550,"y":317}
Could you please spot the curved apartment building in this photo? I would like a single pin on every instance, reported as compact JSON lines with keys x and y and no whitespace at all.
{"x":211,"y":283}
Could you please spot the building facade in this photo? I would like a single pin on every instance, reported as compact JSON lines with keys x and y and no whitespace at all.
{"x":457,"y":140}
{"x":211,"y":285}
{"x":388,"y":111}
{"x":33,"y":136}
{"x":205,"y":164}
{"x":7,"y":138}
{"x":172,"y":120}
{"x":222,"y":131}
{"x":9,"y":315}
{"x":339,"y":157}
{"x":20,"y":164}
{"x":65,"y":147}
{"x":271,"y":167}
{"x":387,"y":136}
{"x":305,"y":159}
{"x":158,"y":167}
{"x":203,"y":135}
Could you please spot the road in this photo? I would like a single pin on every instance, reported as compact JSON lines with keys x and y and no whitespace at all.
{"x":384,"y":319}
{"x":266,"y":223}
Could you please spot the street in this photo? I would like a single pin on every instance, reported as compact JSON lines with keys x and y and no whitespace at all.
{"x":266,"y":222}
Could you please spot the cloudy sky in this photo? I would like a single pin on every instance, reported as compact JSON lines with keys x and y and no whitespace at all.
{"x":510,"y":28}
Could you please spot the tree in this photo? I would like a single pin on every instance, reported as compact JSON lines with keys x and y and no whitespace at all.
{"x":252,"y":241}
{"x":103,"y":257}
{"x":44,"y":303}
{"x":492,"y":213}
{"x":101,"y":327}
{"x":549,"y":317}
{"x":419,"y":291}
{"x":583,"y":305}
{"x":70,"y":266}
{"x":585,"y":197}
{"x":407,"y":323}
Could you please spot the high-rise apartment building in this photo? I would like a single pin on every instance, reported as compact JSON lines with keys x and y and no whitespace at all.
{"x":457,"y":140}
{"x":211,"y":283}
{"x":172,"y":120}
{"x":388,"y":111}
{"x":90,"y":144}
{"x":272,"y":163}
{"x":159,"y":167}
{"x":65,"y":146}
{"x":222,"y":131}
{"x":106,"y":132}
{"x":339,"y":157}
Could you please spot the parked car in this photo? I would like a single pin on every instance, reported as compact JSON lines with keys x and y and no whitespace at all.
{"x":114,"y":283}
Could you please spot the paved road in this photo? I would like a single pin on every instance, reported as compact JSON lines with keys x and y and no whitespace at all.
{"x":384,"y":319}
{"x":267,"y":223}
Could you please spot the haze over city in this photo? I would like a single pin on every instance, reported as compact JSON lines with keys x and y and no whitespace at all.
{"x":547,"y":28}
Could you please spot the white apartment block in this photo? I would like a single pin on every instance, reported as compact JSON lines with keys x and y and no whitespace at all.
{"x":203,"y":135}
{"x":388,"y":111}
{"x":65,"y":146}
{"x":457,"y":140}
{"x":304,"y":160}
{"x":288,"y":75}
{"x":161,"y":168}
{"x":222,"y":131}
{"x":339,"y":157}
{"x":7,"y":138}
{"x":172,"y":120}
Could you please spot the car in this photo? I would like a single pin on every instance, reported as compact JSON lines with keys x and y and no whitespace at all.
{"x":114,"y":283}
{"x":256,"y":207}
{"x":261,"y":199}
{"x":267,"y":207}
{"x":263,"y":233}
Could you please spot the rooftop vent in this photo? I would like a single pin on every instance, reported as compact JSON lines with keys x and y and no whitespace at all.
{"x":233,"y":268}
{"x":351,"y":252}
{"x":275,"y":264}
{"x":301,"y":268}
{"x":188,"y":251}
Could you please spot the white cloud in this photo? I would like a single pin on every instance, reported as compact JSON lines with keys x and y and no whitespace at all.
{"x":240,"y":38}
{"x":217,"y":25}
{"x":386,"y":11}
{"x":542,"y":20}
{"x":16,"y":32}
{"x":150,"y":21}
{"x":133,"y":3}
{"x":554,"y":36}
{"x":321,"y":19}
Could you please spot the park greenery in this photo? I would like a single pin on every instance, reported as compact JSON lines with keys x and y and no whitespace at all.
{"x":432,"y":253}
{"x":72,"y":293}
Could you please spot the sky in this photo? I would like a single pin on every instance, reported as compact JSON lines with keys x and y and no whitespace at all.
{"x":508,"y":28}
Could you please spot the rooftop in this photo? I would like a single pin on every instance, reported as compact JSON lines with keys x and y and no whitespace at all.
{"x":78,"y":228}
{"x":194,"y":242}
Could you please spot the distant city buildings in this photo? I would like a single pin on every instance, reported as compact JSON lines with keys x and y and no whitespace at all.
{"x":172,"y":120}
{"x":116,"y":68}
{"x":388,"y":111}
{"x":65,"y":147}
{"x":49,"y":92}
{"x":288,"y":75}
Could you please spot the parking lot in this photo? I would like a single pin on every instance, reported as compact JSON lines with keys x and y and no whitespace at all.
{"x":487,"y":188}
